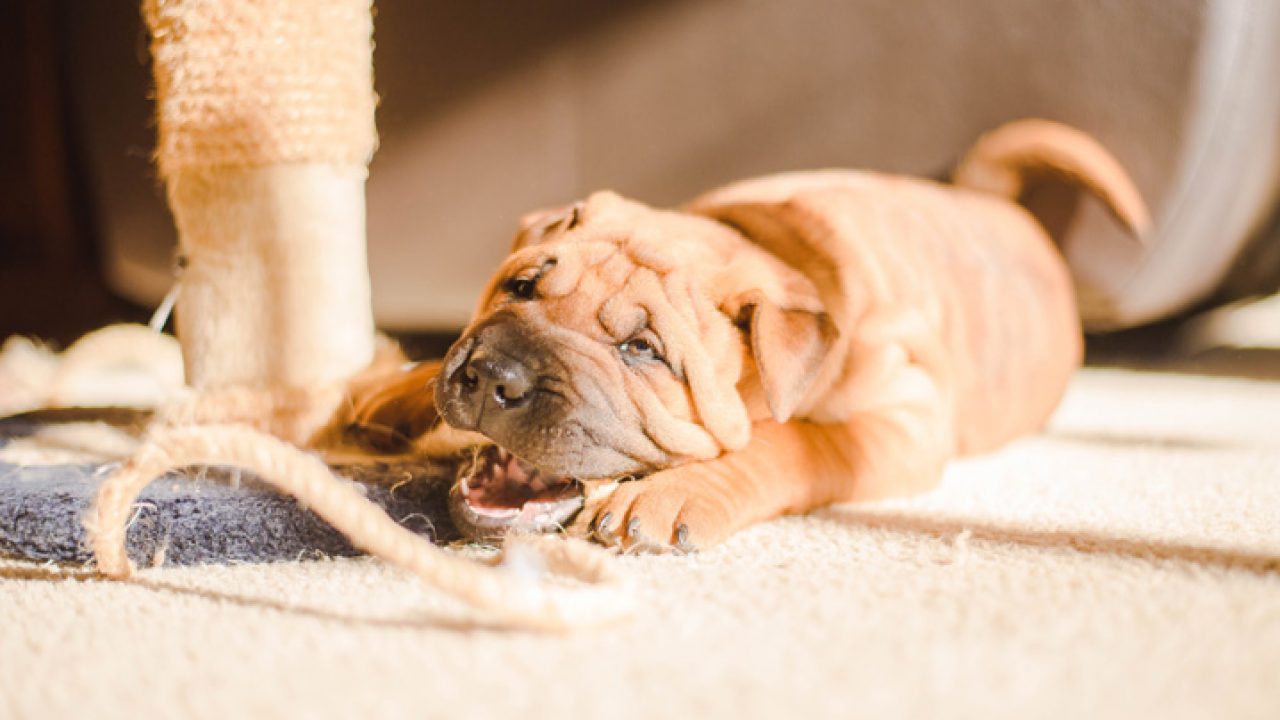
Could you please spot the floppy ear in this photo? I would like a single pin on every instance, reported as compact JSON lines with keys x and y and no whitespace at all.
{"x":392,"y":409}
{"x":789,"y":347}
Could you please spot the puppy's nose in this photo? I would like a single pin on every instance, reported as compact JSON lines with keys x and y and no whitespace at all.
{"x":490,"y":379}
{"x":508,"y":381}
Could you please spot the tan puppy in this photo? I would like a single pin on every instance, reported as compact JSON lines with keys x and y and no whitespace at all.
{"x":775,"y":345}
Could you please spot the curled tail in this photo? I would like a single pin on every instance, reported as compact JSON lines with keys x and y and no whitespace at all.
{"x":1001,"y":161}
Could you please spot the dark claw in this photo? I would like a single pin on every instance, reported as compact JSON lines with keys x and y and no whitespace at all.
{"x":682,"y":539}
{"x":603,"y":533}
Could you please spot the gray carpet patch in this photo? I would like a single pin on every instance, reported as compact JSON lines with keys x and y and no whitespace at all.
{"x":204,"y":515}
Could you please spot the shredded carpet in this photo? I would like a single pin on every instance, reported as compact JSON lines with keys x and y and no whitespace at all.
{"x":1124,"y":564}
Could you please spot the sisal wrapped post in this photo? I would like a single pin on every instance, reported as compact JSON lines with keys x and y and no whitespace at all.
{"x":265,"y":115}
{"x":265,"y":111}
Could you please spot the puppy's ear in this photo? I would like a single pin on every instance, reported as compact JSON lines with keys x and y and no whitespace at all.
{"x":539,"y":224}
{"x":390,"y":410}
{"x":789,"y":346}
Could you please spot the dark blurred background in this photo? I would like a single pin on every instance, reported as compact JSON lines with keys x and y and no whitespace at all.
{"x":491,"y":108}
{"x":51,"y":272}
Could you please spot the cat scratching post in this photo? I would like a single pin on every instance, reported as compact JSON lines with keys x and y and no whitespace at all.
{"x":265,"y":118}
{"x":265,"y":112}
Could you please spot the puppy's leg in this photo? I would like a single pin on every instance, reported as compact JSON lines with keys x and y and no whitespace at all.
{"x":786,"y":468}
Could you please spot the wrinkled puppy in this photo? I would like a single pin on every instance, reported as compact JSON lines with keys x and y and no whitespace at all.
{"x":775,"y":345}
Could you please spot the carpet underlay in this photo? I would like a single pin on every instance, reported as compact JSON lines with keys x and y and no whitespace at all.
{"x":1125,"y":563}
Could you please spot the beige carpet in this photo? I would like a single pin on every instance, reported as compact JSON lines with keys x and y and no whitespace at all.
{"x":1126,"y":564}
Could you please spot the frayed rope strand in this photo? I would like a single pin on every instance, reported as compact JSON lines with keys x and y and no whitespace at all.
{"x":514,"y":594}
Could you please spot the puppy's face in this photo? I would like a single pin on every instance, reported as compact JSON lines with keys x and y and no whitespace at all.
{"x":615,"y":337}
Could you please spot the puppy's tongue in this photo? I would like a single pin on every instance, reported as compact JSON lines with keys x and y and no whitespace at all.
{"x":497,"y":493}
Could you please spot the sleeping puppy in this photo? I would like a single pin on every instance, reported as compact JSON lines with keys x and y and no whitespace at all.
{"x":771,"y":347}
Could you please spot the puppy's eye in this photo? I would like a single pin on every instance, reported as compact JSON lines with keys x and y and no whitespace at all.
{"x":638,"y":349}
{"x":523,"y":288}
{"x":525,"y":285}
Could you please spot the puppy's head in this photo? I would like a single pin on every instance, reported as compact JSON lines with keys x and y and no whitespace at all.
{"x":619,"y":339}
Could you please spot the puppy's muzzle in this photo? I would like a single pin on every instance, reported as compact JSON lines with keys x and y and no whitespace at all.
{"x":490,"y":380}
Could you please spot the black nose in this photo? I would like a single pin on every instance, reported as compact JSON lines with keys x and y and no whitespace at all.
{"x":507,"y":380}
{"x":489,"y":381}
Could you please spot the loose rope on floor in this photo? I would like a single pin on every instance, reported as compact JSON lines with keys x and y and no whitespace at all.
{"x":122,"y":364}
{"x":149,"y":353}
{"x":513,"y":594}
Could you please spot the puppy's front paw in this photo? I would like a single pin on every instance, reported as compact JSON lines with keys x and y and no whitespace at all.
{"x":664,"y":512}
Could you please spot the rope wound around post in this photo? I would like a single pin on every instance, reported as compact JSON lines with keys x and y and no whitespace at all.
{"x":252,"y":83}
{"x":584,"y":590}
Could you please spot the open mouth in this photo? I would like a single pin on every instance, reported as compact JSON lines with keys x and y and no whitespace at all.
{"x":497,"y":493}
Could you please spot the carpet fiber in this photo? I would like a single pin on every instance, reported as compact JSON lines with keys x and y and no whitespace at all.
{"x":1126,"y":563}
